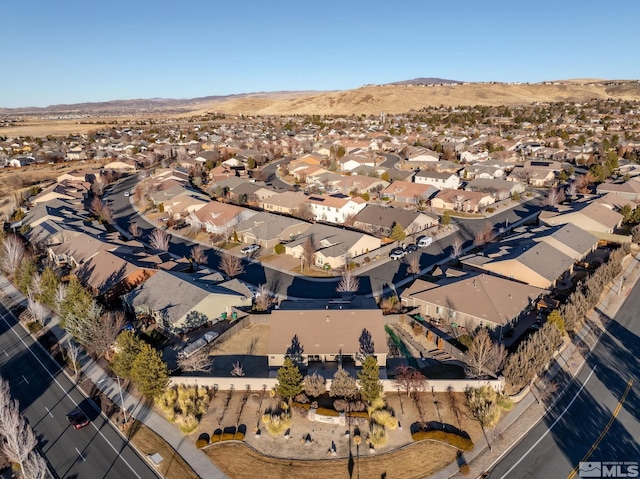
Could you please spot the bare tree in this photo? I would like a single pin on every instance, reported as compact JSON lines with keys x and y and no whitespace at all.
{"x":484,"y":236}
{"x":410,"y":379}
{"x":36,"y":284}
{"x":59,"y":296}
{"x":96,"y":206}
{"x":19,"y":439}
{"x":484,"y":356}
{"x":103,"y":332}
{"x":159,"y":240}
{"x":98,"y":185}
{"x":554,"y":197}
{"x":198,"y":256}
{"x":263,"y":298}
{"x":349,"y":282}
{"x":35,"y":466}
{"x":458,"y":202}
{"x":73,"y":353}
{"x":200,"y":361}
{"x":231,"y":265}
{"x":456,"y":248}
{"x":315,"y":385}
{"x":36,"y":309}
{"x":572,"y":189}
{"x":309,"y":249}
{"x":134,"y":230}
{"x":414,"y":264}
{"x":237,"y":370}
{"x":13,"y":251}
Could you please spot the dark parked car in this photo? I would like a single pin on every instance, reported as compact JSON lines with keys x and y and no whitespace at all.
{"x":77,"y":418}
{"x":411,"y":248}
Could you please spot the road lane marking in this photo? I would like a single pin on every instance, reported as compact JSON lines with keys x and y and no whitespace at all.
{"x":49,"y":412}
{"x":80,"y":454}
{"x":24,"y":379}
{"x":66,"y":393}
{"x":5,"y":353}
{"x":605,"y":430}
{"x":552,"y":425}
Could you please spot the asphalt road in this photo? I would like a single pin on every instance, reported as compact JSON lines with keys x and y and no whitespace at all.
{"x":46,"y":395}
{"x":386,"y":274}
{"x":598,"y":418}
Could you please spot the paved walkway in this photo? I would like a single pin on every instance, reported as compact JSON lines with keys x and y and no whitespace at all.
{"x":527,"y":412}
{"x":200,"y":463}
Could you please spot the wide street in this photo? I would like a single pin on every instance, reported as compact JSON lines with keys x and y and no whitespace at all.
{"x":385,"y":274}
{"x":598,"y":417}
{"x":46,"y":395}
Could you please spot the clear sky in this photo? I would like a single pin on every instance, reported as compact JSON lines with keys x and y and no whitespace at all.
{"x":72,"y":51}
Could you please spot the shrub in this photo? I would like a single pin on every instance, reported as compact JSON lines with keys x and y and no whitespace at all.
{"x":215,"y":438}
{"x":200,"y":443}
{"x":323,"y":411}
{"x":34,"y":327}
{"x":366,"y":259}
{"x":362,"y":414}
{"x":465,"y":340}
{"x":378,"y":436}
{"x":277,"y":421}
{"x":301,"y":405}
{"x":490,"y":210}
{"x":187,"y":423}
{"x":239,"y":436}
{"x":227,"y":436}
{"x":465,"y":469}
{"x":279,"y":248}
{"x":450,"y":438}
{"x":384,"y":418}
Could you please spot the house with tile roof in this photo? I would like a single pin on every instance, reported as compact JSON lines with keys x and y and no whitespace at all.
{"x":407,"y":192}
{"x":218,"y":217}
{"x":287,"y":202}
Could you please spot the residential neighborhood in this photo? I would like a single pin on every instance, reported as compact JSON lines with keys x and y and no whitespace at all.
{"x":335,"y":262}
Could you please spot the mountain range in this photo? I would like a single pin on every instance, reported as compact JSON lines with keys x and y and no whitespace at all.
{"x":398,"y":97}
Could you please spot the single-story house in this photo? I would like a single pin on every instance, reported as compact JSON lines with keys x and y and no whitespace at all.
{"x":190,"y":304}
{"x":327,"y":335}
{"x":462,"y":200}
{"x":437,"y":179}
{"x":379,"y":220}
{"x":267,"y":229}
{"x":473,"y":300}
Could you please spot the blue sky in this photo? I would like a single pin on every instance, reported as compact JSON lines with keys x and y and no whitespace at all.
{"x":71,"y":51}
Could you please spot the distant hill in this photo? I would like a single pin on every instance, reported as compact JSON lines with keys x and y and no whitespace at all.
{"x":424,"y":81}
{"x":400,"y":97}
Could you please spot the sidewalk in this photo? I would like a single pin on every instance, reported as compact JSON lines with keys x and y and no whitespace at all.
{"x":528,"y":412}
{"x":198,"y":461}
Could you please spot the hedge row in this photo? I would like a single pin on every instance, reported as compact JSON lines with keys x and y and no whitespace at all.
{"x":323,"y":411}
{"x":455,"y":440}
{"x":227,"y":436}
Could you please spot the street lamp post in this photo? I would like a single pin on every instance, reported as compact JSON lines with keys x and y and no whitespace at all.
{"x":124,"y":409}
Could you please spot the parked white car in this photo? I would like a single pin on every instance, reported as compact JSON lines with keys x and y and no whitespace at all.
{"x":425,"y":241}
{"x":250,"y":249}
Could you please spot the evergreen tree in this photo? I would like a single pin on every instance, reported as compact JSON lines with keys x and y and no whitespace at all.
{"x":149,"y":372}
{"x":294,"y":352}
{"x":128,"y":346}
{"x":369,"y":377}
{"x":49,"y":286}
{"x":343,"y":385}
{"x":556,"y":319}
{"x":397,"y":232}
{"x":446,"y":219}
{"x":290,"y":382}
